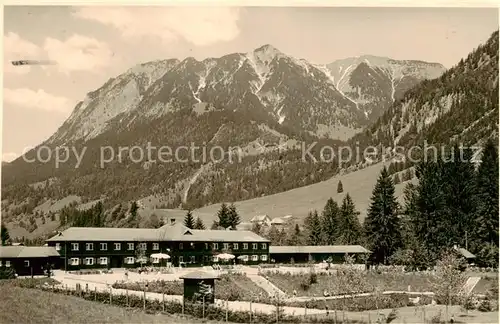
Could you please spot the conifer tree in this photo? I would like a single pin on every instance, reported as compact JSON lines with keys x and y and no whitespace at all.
{"x":329,"y":222}
{"x":233,"y":217}
{"x":340,"y":187}
{"x":349,"y":228}
{"x":312,"y":224}
{"x":295,"y":237}
{"x":4,"y":233}
{"x":486,"y":215}
{"x":189,"y":220}
{"x":223,"y":216}
{"x":199,"y":224}
{"x":382,"y":226}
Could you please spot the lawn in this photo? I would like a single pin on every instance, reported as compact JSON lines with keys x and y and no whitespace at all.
{"x":393,"y":281}
{"x":487,"y":285}
{"x":229,"y":287}
{"x":23,"y":305}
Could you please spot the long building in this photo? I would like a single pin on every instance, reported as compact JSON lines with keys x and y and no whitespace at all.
{"x":91,"y":247}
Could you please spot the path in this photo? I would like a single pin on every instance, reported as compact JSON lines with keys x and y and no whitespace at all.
{"x":470,"y":284}
{"x":232,"y":305}
{"x":265,"y":284}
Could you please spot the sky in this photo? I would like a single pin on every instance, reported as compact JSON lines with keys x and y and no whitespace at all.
{"x":93,"y":44}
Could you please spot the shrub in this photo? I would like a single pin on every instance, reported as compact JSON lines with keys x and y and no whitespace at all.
{"x":7,"y":273}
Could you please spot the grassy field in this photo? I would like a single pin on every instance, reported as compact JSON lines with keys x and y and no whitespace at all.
{"x":228,"y":287}
{"x":22,"y":305}
{"x":384,"y":281}
{"x":487,"y":284}
{"x":298,"y":202}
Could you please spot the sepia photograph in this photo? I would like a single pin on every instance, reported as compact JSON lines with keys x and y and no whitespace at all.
{"x":249,"y":163}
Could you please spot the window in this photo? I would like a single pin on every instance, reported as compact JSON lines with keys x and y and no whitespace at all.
{"x":103,"y":260}
{"x":130,"y":246}
{"x":235,"y":246}
{"x":156,"y":246}
{"x":129,"y":260}
{"x":245,"y":258}
{"x":104,"y":246}
{"x":215,"y":246}
{"x":74,"y":246}
{"x":7,"y":264}
{"x":181,"y":246}
{"x":255,"y":246}
{"x":74,"y":261}
{"x":181,"y":259}
{"x":26,"y":263}
{"x":193,"y":259}
{"x":156,"y":260}
{"x":0,"y":263}
{"x":255,"y":257}
{"x":118,"y":246}
{"x":245,"y":246}
{"x":263,"y":257}
{"x":89,"y":261}
{"x":264,"y":246}
{"x":215,"y":259}
{"x":89,"y":246}
{"x":58,"y":246}
{"x":226,"y":246}
{"x":206,"y":246}
{"x":143,"y":246}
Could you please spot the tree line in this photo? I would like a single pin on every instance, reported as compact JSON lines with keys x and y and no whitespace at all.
{"x":452,"y":204}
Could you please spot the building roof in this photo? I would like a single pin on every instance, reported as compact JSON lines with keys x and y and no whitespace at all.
{"x":278,"y":221}
{"x":175,"y":232}
{"x":244,"y":226}
{"x":466,"y":254}
{"x":260,"y":218}
{"x":20,"y":251}
{"x":327,"y":249}
{"x":199,"y":275}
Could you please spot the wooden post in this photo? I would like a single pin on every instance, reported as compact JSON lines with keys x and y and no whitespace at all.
{"x":305,"y":310}
{"x":110,"y":295}
{"x":163,"y":301}
{"x":250,"y":311}
{"x":95,"y":293}
{"x":227,"y":309}
{"x":144,"y":300}
{"x":203,"y":300}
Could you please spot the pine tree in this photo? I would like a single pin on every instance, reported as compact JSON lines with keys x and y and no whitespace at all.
{"x":199,"y":224}
{"x":340,"y":187}
{"x":429,"y":211}
{"x":189,"y":220}
{"x":460,"y":194}
{"x":486,"y":215}
{"x":329,"y":222}
{"x":223,"y":216}
{"x":4,"y":233}
{"x":295,"y":237}
{"x":233,"y":217}
{"x":312,"y":223}
{"x":349,"y":228}
{"x":382,"y":226}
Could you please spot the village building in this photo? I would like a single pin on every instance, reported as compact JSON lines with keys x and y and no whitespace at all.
{"x":91,"y":247}
{"x":318,"y":253}
{"x":29,"y":260}
{"x":262,"y":220}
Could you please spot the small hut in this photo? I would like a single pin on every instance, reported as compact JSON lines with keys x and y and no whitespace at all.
{"x":199,"y":286}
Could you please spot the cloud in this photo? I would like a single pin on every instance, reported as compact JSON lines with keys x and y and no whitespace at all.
{"x":199,"y":26}
{"x":78,"y":53}
{"x":9,"y":157}
{"x":39,"y":100}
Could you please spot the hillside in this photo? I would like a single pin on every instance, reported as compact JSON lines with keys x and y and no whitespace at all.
{"x":245,"y":104}
{"x":460,"y":106}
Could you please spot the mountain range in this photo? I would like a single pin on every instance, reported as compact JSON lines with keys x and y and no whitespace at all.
{"x":265,"y":102}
